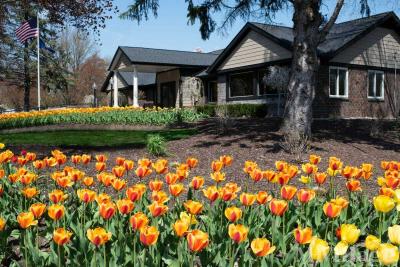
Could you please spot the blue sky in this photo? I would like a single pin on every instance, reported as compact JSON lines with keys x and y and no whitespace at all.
{"x":170,"y":29}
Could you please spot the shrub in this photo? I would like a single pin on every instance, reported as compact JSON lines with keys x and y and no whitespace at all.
{"x":156,"y":145}
{"x":235,"y":110}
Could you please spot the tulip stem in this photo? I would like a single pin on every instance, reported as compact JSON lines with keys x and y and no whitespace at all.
{"x":26,"y":252}
{"x":283,"y":235}
{"x":59,"y":255}
{"x":105,"y":256}
{"x":232,"y":256}
{"x":134,"y":248}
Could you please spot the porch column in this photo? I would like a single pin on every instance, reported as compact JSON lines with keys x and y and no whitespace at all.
{"x":135,"y":94}
{"x":115,"y":89}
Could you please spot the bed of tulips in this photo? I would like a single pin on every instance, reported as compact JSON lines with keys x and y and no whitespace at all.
{"x":157,"y":214}
{"x":101,"y":115}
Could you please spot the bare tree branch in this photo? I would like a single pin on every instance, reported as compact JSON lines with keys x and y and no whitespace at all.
{"x":325,"y":30}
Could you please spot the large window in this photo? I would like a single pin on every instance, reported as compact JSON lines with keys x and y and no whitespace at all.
{"x":338,"y":82}
{"x":263,"y":87}
{"x":212,"y":91}
{"x":241,"y":84}
{"x":376,"y":84}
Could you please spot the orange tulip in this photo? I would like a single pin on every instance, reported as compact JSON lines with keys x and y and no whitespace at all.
{"x":309,"y":168}
{"x":171,"y":178}
{"x":332,"y":210}
{"x":348,"y":172}
{"x":270,"y":176}
{"x":193,"y":207}
{"x":76,"y":159}
{"x":86,"y":195}
{"x":197,"y":240}
{"x":107,"y":210}
{"x":218,"y":176}
{"x":118,"y":171}
{"x":192,"y":162}
{"x":2,"y":173}
{"x":155,"y":185}
{"x":320,"y":177}
{"x":176,"y":189}
{"x":98,"y":236}
{"x":128,"y":165}
{"x":305,"y":195}
{"x":86,"y":159}
{"x":88,"y":181}
{"x":118,"y":184}
{"x":100,"y":166}
{"x":149,"y":235}
{"x":281,"y":165}
{"x":233,"y":214}
{"x":247,"y":199}
{"x":314,"y":159}
{"x":64,"y":181}
{"x":261,"y":247}
{"x":144,"y":162}
{"x":120,"y":161}
{"x":211,"y":193}
{"x":216,"y":165}
{"x":103,"y":198}
{"x":161,"y":166}
{"x":387,"y":191}
{"x":30,"y":192}
{"x":61,"y":236}
{"x":303,"y":236}
{"x":159,"y":196}
{"x":340,"y":201}
{"x":125,"y":206}
{"x":238,"y":233}
{"x":288,"y":192}
{"x":138,"y":221}
{"x":249,"y":166}
{"x":256,"y":175}
{"x":28,"y":178}
{"x":278,"y":207}
{"x":182,"y":174}
{"x":57,"y":196}
{"x":134,"y":193}
{"x":39,"y":164}
{"x":26,"y":219}
{"x":37,"y":209}
{"x":226,"y":160}
{"x":142,"y":172}
{"x":263,"y":197}
{"x":353,"y":185}
{"x":181,"y":227}
{"x":233,"y":187}
{"x":227,"y":194}
{"x":56,"y":212}
{"x":157,"y":209}
{"x":335,"y":163}
{"x":2,"y":224}
{"x":197,"y":182}
{"x":101,"y":158}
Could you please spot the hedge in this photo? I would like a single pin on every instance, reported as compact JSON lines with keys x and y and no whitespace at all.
{"x":235,"y":110}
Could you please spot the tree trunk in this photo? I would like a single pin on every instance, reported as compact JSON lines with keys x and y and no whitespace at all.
{"x":305,"y":64}
{"x":27,"y":76}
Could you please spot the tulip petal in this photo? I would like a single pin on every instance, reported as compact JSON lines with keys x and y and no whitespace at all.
{"x":341,"y":248}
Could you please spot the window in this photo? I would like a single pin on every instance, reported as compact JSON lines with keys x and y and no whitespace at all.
{"x":338,"y":82}
{"x":212,"y":91}
{"x":241,"y":84}
{"x":376,"y":84}
{"x":263,"y":87}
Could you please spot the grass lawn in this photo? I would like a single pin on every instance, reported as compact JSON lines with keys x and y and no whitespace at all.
{"x":91,"y":138}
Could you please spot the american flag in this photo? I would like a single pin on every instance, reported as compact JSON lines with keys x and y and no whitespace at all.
{"x":27,"y":30}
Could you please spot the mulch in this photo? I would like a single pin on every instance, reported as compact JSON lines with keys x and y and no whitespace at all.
{"x":260,"y":140}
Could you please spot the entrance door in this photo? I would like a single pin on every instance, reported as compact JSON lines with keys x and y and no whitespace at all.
{"x":168,"y":94}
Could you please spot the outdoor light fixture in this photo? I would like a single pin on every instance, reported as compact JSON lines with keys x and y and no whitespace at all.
{"x":94,"y":87}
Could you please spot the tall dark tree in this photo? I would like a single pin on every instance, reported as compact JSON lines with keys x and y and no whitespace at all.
{"x":310,"y":28}
{"x":88,"y":15}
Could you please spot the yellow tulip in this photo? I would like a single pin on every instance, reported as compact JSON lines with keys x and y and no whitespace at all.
{"x":319,"y":249}
{"x":394,"y":234}
{"x":387,"y":254}
{"x":349,"y":233}
{"x":383,"y":203}
{"x":372,"y":242}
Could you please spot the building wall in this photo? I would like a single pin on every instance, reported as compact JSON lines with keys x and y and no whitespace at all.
{"x":357,"y":105}
{"x":378,"y":48}
{"x":255,"y":49}
{"x":222,"y":87}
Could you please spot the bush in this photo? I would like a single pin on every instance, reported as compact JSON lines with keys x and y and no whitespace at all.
{"x":156,"y":145}
{"x":236,"y":110}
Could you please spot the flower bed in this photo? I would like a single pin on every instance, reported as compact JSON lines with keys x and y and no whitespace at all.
{"x":102,"y":115}
{"x":156,"y":213}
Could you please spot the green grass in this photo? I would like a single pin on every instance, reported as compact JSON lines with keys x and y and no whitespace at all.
{"x":91,"y":138}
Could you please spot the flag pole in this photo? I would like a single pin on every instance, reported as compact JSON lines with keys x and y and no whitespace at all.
{"x":38,"y":59}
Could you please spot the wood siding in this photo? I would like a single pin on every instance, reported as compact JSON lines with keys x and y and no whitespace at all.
{"x":376,"y":49}
{"x":254,"y":49}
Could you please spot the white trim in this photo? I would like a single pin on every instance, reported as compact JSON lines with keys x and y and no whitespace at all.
{"x":135,"y":86}
{"x":346,"y":89}
{"x":382,"y":97}
{"x":238,"y":73}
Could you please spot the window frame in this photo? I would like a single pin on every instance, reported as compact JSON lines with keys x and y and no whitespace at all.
{"x":382,"y":97}
{"x":346,"y":88}
{"x":258,"y":85}
{"x":230,"y":83}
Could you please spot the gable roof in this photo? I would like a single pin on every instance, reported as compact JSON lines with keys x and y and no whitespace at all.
{"x":141,"y":55}
{"x":127,"y":79}
{"x":339,"y":37}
